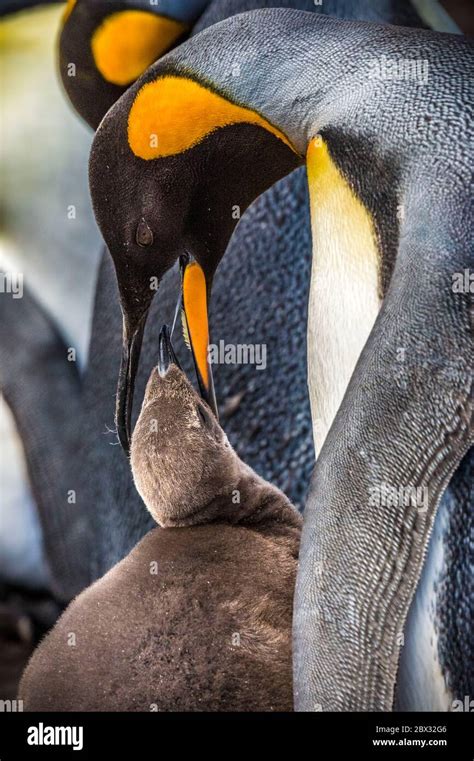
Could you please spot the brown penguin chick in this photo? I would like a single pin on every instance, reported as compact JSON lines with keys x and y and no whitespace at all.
{"x":198,"y":616}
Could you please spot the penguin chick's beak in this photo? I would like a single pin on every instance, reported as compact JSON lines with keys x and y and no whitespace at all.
{"x":196,"y":326}
{"x":131,"y":346}
{"x":166,"y":355}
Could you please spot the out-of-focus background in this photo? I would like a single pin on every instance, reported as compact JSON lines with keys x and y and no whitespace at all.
{"x":55,"y":249}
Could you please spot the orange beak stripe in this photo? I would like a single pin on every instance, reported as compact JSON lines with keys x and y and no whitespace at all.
{"x":195,"y":309}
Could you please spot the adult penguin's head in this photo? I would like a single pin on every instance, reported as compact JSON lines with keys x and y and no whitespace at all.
{"x":173,"y":166}
{"x":105,"y":45}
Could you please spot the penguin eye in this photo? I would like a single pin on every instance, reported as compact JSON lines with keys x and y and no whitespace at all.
{"x":144,"y":235}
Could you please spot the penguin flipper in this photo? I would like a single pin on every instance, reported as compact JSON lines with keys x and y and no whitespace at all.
{"x":42,"y":389}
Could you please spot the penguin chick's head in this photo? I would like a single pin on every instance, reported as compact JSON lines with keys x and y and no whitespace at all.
{"x":180,"y":456}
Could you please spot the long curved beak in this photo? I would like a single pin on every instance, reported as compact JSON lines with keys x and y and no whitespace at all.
{"x":196,"y":326}
{"x":166,"y":354}
{"x":131,"y":346}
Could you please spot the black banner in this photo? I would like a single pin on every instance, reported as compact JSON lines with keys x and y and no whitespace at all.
{"x":87,"y":735}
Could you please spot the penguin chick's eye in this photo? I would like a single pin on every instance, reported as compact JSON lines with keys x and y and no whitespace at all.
{"x":144,"y":235}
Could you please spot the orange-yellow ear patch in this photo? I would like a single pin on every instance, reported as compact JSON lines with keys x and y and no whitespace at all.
{"x":195,"y":312}
{"x":173,"y":113}
{"x":127,"y":42}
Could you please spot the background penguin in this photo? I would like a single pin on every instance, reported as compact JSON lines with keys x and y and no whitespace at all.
{"x":388,"y":191}
{"x":48,"y":236}
{"x":204,"y":604}
{"x":107,"y":45}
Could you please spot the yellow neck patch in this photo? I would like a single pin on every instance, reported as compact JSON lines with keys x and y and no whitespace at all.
{"x":127,"y":42}
{"x":331,"y":198}
{"x":344,"y":294}
{"x":173,"y":113}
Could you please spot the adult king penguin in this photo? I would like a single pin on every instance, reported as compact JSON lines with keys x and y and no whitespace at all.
{"x":188,"y":142}
{"x":275,"y":438}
